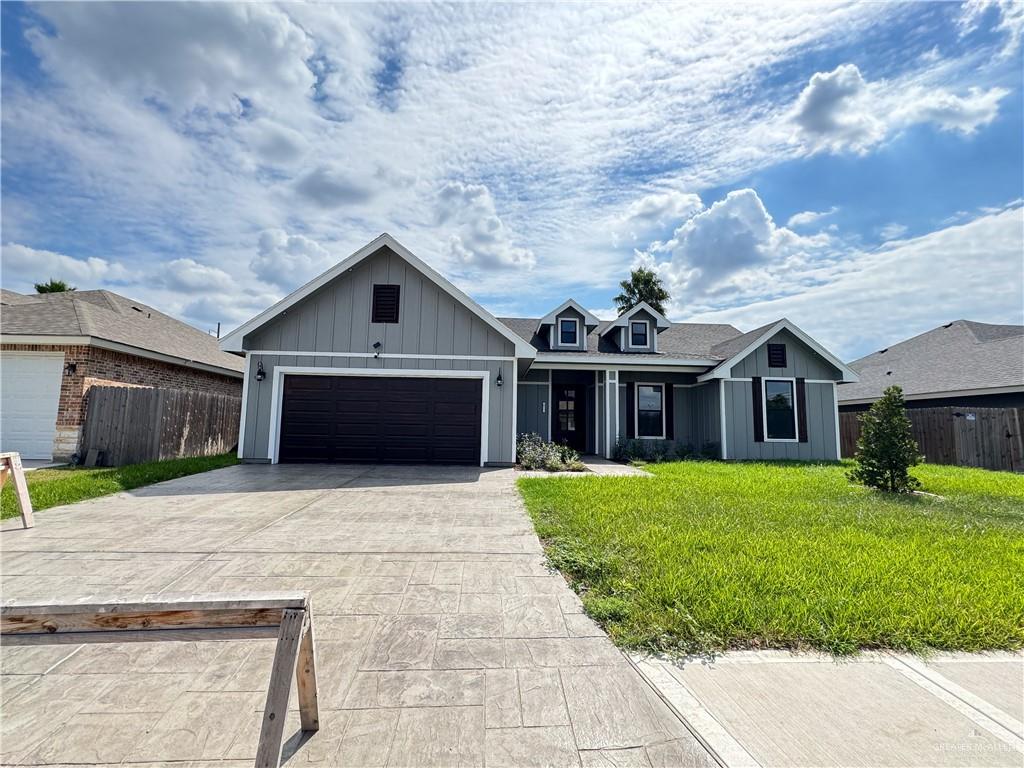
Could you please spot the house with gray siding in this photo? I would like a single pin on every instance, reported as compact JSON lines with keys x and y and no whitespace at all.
{"x":382,"y":359}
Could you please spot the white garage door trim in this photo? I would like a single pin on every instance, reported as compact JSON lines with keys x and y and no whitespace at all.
{"x":47,"y":432}
{"x":277,"y":394}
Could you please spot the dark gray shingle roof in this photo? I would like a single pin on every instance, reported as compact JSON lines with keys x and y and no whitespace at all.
{"x":682,"y":341}
{"x":962,"y":355}
{"x":110,"y":316}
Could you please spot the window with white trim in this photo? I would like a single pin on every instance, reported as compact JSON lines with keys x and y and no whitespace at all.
{"x":650,"y":410}
{"x":779,"y":410}
{"x":568,"y":332}
{"x":638,"y":333}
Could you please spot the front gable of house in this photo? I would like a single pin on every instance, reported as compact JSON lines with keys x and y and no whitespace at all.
{"x":800,"y":360}
{"x":385,"y":300}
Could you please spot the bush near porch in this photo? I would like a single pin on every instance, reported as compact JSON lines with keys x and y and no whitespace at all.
{"x":66,"y":485}
{"x":707,"y":556}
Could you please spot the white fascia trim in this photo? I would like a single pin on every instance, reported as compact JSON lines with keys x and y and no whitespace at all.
{"x":636,"y":410}
{"x":589,"y":318}
{"x":245,"y":407}
{"x":382,"y":355}
{"x":935,"y":395}
{"x":722,"y":371}
{"x":232,"y":342}
{"x":721,"y":417}
{"x":277,"y":395}
{"x":557,"y":330}
{"x":625,"y":362}
{"x":764,"y":410}
{"x":835,"y":413}
{"x":622,"y":321}
{"x":116,"y":346}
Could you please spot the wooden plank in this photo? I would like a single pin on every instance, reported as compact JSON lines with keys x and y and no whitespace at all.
{"x":12,"y":461}
{"x":160,"y":602}
{"x":195,"y":634}
{"x":305,"y":678}
{"x":268,"y":753}
{"x":87,"y":621}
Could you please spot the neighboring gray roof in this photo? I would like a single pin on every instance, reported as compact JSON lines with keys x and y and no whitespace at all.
{"x":683,"y":341}
{"x":963,"y":355}
{"x":109,"y":316}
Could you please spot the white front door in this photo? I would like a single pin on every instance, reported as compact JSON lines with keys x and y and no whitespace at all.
{"x":29,"y":396}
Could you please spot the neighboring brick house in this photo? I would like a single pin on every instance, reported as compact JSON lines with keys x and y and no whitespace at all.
{"x":55,"y":346}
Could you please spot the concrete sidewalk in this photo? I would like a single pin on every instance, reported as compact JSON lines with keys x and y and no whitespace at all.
{"x":774,"y":708}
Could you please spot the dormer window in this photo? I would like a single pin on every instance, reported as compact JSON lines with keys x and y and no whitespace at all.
{"x":638,"y":334}
{"x":568,"y":332}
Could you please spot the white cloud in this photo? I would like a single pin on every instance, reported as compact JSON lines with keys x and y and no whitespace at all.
{"x":717,"y":250}
{"x":657,"y":211}
{"x":892,"y":231}
{"x":287,"y":260}
{"x":840,"y":110}
{"x":1011,"y":20}
{"x":805,"y":218}
{"x":24,"y":266}
{"x":211,"y":55}
{"x":190,"y":275}
{"x":481,"y":238}
{"x":870,"y":299}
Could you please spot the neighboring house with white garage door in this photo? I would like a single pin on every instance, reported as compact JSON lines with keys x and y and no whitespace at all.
{"x":382,"y":359}
{"x":55,"y":346}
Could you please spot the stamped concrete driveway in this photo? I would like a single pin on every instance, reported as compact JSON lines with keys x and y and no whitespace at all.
{"x":442,"y":638}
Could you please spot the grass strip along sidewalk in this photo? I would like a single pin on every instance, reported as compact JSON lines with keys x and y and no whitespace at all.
{"x":65,"y":485}
{"x":710,"y":555}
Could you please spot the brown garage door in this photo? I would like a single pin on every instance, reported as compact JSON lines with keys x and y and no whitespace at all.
{"x":381,"y":419}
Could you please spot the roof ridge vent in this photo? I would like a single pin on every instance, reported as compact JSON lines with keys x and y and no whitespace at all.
{"x":947,"y":325}
{"x":883,"y":351}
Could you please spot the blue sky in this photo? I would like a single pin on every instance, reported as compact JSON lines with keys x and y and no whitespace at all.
{"x":858,"y":168}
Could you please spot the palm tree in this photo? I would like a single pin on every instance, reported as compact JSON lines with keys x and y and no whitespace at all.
{"x":643,"y":285}
{"x":54,"y":286}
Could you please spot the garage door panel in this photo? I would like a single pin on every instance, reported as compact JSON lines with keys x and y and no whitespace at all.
{"x":29,"y":400}
{"x":381,"y":419}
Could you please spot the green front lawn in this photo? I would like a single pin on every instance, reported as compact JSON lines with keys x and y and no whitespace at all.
{"x":709,"y":555}
{"x":64,"y":485}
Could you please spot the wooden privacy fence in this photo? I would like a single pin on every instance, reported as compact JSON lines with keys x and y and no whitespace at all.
{"x":990,"y":438}
{"x":128,"y":425}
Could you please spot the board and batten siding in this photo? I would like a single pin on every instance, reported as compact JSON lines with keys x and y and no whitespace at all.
{"x":336,"y":319}
{"x":821,"y":426}
{"x":801,"y":361}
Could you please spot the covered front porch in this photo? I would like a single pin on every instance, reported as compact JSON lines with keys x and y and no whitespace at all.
{"x":593,"y":409}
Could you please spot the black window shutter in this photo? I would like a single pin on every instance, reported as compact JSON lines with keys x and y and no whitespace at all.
{"x":670,"y":425}
{"x":801,"y":410}
{"x":630,"y":410}
{"x":755,"y":391}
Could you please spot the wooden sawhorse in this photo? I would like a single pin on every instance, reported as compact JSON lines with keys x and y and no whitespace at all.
{"x":285,"y":615}
{"x":10,"y":464}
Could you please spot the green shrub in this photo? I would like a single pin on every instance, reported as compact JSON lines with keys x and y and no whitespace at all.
{"x":886,"y":449}
{"x":657,"y":451}
{"x":534,"y":452}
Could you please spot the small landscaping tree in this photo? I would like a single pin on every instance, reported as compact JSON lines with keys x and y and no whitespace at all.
{"x":886,"y":449}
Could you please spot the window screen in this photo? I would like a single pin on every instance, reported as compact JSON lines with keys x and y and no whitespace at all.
{"x":638,"y":334}
{"x":779,"y":410}
{"x":567,"y":332}
{"x":649,"y":411}
{"x":385,"y":304}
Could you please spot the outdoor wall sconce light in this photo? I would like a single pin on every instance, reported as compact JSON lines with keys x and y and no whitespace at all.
{"x":376,"y":349}
{"x":260,"y":373}
{"x":71,"y":368}
{"x":499,"y":381}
